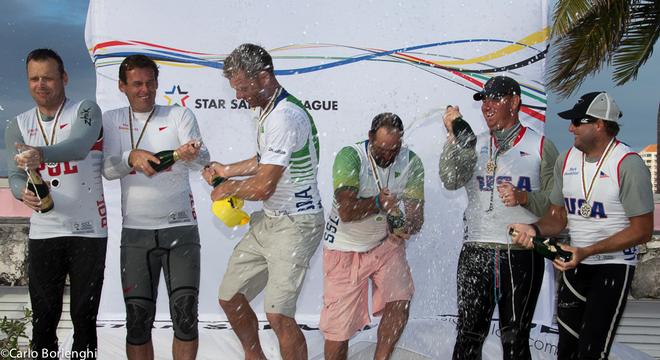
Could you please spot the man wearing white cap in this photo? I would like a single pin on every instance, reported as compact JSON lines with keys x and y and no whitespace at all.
{"x":603,"y":193}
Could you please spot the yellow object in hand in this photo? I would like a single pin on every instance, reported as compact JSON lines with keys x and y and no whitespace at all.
{"x":229,"y":211}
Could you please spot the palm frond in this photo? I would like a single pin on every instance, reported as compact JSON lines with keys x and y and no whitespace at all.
{"x":636,"y":47}
{"x":567,"y":13}
{"x":587,"y":45}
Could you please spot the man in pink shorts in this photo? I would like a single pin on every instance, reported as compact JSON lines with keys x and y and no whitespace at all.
{"x":365,"y":238}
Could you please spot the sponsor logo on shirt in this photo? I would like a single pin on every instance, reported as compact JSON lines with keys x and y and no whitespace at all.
{"x":572,"y":171}
{"x":277,"y":151}
{"x":603,"y":175}
{"x":62,"y":126}
{"x":125,"y":127}
{"x":523,"y":154}
{"x":162,"y":128}
{"x":32,"y":132}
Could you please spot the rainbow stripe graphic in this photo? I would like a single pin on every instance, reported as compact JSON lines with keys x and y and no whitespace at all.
{"x":471,"y":72}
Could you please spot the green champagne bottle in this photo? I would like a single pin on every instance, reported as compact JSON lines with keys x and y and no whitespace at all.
{"x":167,"y":158}
{"x":547,"y":247}
{"x":37,"y":185}
{"x":463,"y":133}
{"x":217,"y":181}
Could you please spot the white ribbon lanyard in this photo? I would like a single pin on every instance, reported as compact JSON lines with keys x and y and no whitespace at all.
{"x":265,"y":112}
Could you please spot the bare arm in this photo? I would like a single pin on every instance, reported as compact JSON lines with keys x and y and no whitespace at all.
{"x":414,"y":216}
{"x":638,"y":232}
{"x":352,"y":208}
{"x":256,"y":188}
{"x":551,"y":224}
{"x":246,"y":167}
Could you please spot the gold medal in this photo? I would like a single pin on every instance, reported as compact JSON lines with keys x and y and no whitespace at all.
{"x":585,"y":210}
{"x":490,"y":167}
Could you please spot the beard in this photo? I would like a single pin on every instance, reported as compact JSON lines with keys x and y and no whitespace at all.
{"x":382,"y":162}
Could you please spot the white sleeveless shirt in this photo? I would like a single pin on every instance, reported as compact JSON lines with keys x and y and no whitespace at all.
{"x":365,"y":234}
{"x":521,"y":166}
{"x":607,"y":213}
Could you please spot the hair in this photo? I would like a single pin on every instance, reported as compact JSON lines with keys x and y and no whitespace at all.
{"x":389,"y":120}
{"x":44,"y":54}
{"x":611,"y":128}
{"x":249,"y":58}
{"x":136,"y":62}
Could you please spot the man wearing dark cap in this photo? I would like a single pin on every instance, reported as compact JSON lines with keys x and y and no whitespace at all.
{"x":602,"y":191}
{"x":507,"y":175}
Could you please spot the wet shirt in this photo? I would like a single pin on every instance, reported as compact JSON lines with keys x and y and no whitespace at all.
{"x":287,"y":137}
{"x":352,"y":170}
{"x":527,"y":165}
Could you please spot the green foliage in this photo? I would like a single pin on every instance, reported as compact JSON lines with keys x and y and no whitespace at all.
{"x":12,"y":330}
{"x":590,"y":33}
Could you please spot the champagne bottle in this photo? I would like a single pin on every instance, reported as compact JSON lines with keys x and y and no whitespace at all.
{"x":167,"y":158}
{"x":463,"y":133}
{"x":37,"y":185}
{"x":229,"y":209}
{"x":547,"y":247}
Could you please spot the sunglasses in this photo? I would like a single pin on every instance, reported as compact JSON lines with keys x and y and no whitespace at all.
{"x":587,"y":120}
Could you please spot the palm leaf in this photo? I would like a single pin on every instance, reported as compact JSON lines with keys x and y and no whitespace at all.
{"x":587,"y":45}
{"x":637,"y":45}
{"x":567,"y":13}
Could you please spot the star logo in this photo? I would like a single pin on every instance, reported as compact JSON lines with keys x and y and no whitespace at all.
{"x":176,"y":96}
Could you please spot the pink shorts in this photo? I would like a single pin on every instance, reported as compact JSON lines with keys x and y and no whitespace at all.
{"x":346,"y":286}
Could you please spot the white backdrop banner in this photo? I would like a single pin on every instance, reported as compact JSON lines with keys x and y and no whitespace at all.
{"x":347,"y":61}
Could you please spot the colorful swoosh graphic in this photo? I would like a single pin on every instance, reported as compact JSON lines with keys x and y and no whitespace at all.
{"x":471,"y":72}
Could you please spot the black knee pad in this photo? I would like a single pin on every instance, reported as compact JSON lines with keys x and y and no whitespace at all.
{"x":139,"y":320}
{"x":183,"y":307}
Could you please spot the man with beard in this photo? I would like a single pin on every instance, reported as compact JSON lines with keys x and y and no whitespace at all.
{"x":491,"y":271}
{"x":365,"y":238}
{"x":603,"y":193}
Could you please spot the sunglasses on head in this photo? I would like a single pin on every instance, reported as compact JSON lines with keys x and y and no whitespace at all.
{"x":587,"y":120}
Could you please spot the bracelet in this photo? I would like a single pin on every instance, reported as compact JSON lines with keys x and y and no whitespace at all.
{"x":380,"y":208}
{"x":537,"y":230}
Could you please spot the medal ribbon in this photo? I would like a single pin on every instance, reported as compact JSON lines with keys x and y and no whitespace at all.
{"x":130,"y":125}
{"x":587,"y":192}
{"x":57,"y":119}
{"x":266,"y":111}
{"x":506,"y":144}
{"x":374,"y":169}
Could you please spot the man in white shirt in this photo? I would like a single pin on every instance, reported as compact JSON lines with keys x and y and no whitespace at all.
{"x":602,"y":192}
{"x":274,"y":254}
{"x":159,"y":228}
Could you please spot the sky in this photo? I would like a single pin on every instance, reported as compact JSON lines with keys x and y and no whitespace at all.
{"x":59,"y":24}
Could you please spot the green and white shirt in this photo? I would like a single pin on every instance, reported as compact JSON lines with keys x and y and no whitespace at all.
{"x":287,"y":136}
{"x":352,"y":170}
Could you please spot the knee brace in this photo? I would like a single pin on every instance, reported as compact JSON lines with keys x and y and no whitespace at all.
{"x":183,"y":308}
{"x":139,"y":320}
